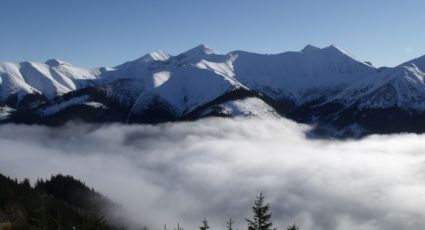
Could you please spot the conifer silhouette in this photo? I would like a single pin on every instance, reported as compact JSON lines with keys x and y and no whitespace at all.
{"x":204,"y":225}
{"x":229,"y":224}
{"x":261,"y":219}
{"x":293,"y":227}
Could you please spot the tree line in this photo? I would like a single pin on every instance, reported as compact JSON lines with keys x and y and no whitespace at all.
{"x":59,"y":203}
{"x":63,"y":202}
{"x":260,"y":220}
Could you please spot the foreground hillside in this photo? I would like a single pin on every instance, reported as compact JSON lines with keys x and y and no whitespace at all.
{"x":66,"y":203}
{"x":328,"y":88}
{"x":61,"y":202}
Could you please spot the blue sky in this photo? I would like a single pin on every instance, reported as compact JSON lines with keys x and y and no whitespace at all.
{"x":106,"y":33}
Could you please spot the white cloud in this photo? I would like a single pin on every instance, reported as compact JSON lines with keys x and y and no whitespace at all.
{"x":181,"y":172}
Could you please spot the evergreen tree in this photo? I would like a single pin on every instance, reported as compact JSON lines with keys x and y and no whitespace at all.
{"x":58,"y":219}
{"x":293,"y":227}
{"x":229,"y":224}
{"x":178,"y":227}
{"x":204,"y":225}
{"x":39,"y":217}
{"x":26,"y":183}
{"x":93,"y":220}
{"x":261,"y":218}
{"x":46,"y":207}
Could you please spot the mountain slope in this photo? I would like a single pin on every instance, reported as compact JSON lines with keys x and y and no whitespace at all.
{"x":327,"y":87}
{"x":50,"y":79}
{"x":300,"y":76}
{"x":417,"y":62}
{"x":402,"y":87}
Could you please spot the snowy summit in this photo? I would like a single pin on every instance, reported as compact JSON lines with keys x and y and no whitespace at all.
{"x":327,"y":87}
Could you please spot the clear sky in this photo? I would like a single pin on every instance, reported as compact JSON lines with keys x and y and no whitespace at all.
{"x":106,"y":33}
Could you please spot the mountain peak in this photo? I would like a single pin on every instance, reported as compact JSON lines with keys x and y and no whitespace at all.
{"x":337,"y":49}
{"x":309,"y":48}
{"x":56,"y":62}
{"x":417,"y":62}
{"x":156,"y":56}
{"x":332,"y":49}
{"x":201,"y":50}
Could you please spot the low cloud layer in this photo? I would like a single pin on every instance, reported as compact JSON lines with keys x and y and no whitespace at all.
{"x":181,"y":172}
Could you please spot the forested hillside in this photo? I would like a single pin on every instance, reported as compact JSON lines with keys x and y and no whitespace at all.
{"x":61,"y":202}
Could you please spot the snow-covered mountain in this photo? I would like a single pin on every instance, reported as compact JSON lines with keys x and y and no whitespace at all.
{"x":50,"y":79}
{"x":401,"y":87}
{"x":300,"y":76}
{"x":327,"y":87}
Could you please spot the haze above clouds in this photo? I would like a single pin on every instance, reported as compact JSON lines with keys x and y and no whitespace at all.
{"x":181,"y":172}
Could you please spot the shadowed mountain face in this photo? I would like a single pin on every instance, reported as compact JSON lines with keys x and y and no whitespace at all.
{"x":328,"y":88}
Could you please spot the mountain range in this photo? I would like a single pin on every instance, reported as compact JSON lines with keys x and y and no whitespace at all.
{"x":328,"y":88}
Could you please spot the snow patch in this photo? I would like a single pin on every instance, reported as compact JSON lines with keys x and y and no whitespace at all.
{"x":96,"y":105}
{"x":56,"y":62}
{"x":5,"y":112}
{"x":62,"y":105}
{"x":161,"y":77}
{"x":248,"y":107}
{"x":159,"y":56}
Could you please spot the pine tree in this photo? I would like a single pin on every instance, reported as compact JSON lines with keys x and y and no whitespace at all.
{"x":261,"y":219}
{"x":39,"y":218}
{"x":229,"y":224}
{"x":204,"y":225}
{"x":93,"y":219}
{"x":58,"y":220}
{"x":293,"y":227}
{"x":26,"y":183}
{"x":178,"y":227}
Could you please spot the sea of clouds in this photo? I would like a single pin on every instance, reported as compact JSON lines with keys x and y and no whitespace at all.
{"x":214,"y":168}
